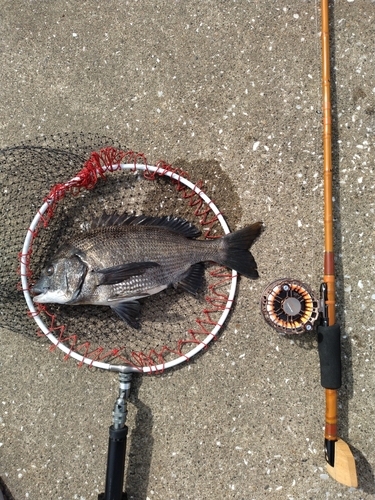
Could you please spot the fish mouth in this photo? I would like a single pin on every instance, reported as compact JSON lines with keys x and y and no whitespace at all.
{"x":48,"y":296}
{"x":39,"y":298}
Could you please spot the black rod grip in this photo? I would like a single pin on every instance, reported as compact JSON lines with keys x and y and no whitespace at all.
{"x":329,"y":347}
{"x":115,"y":464}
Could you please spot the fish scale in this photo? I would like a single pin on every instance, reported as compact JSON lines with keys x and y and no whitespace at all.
{"x":124,"y":258}
{"x":174,"y":253}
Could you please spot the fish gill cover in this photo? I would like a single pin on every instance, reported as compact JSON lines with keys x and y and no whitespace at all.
{"x":173,"y":320}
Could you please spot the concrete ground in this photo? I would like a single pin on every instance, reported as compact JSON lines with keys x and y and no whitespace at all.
{"x":237,"y":82}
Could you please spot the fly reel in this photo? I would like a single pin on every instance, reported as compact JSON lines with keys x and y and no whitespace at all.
{"x":289,"y":306}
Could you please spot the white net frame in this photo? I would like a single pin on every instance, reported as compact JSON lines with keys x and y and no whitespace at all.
{"x":82,"y":359}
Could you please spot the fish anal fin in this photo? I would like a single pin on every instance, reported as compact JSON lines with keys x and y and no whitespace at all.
{"x":117,"y":274}
{"x":193,"y":281}
{"x":129,"y":312}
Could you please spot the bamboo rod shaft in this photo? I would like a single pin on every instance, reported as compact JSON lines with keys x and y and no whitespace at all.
{"x":329,"y":272}
{"x":331,"y":414}
{"x":341,"y":464}
{"x":329,"y":277}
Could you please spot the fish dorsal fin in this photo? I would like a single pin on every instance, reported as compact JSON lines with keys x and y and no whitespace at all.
{"x":175,"y":224}
{"x":107,"y":220}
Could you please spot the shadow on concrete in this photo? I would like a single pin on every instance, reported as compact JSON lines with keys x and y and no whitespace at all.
{"x":365,"y":473}
{"x":5,"y":494}
{"x":346,"y":391}
{"x":141,"y":446}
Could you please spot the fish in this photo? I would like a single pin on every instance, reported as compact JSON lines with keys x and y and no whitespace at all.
{"x":123,"y":258}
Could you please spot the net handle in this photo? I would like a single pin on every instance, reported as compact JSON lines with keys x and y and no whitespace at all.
{"x":107,"y":366}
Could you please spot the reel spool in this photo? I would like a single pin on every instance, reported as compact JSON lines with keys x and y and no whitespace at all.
{"x":289,"y":306}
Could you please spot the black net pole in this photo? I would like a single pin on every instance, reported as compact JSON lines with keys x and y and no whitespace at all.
{"x":115,"y":465}
{"x":118,"y":432}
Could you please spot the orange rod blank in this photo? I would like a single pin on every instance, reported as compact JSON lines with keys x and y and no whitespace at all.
{"x":331,"y":415}
{"x":329,"y":276}
{"x":327,"y":164}
{"x":341,"y":464}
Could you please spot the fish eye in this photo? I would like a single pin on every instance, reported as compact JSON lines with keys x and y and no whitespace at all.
{"x":50,"y":270}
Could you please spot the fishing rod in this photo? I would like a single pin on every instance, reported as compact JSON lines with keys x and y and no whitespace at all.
{"x":291,"y":307}
{"x":340,"y":460}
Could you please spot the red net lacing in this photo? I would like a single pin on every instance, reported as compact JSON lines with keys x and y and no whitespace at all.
{"x":109,"y":160}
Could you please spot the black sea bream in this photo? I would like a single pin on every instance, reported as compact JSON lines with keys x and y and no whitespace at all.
{"x":123,"y":258}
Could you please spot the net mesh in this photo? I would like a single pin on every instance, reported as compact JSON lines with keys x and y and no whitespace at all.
{"x":173,"y":321}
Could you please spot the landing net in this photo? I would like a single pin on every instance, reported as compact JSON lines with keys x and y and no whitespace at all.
{"x":174,"y":325}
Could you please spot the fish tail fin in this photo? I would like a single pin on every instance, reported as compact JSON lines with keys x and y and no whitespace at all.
{"x":236,"y":250}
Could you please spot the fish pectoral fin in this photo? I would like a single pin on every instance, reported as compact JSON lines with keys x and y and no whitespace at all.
{"x":117,"y":274}
{"x":194,"y":279}
{"x":129,"y":312}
